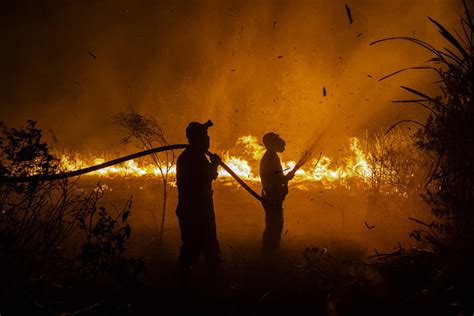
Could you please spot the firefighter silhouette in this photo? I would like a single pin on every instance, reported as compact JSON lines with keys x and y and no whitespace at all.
{"x":195,"y":210}
{"x":274,"y":191}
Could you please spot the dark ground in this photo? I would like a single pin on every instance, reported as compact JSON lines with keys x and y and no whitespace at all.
{"x":321,"y":270}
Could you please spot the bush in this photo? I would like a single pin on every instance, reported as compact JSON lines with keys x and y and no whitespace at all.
{"x":448,"y":137}
{"x":41,"y":221}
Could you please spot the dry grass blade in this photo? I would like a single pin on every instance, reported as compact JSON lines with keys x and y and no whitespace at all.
{"x":420,"y":94}
{"x":420,"y":103}
{"x":468,"y":13}
{"x":404,"y":121}
{"x":405,"y":69}
{"x":453,"y":55}
{"x":419,"y":222}
{"x":409,"y":101}
{"x":441,"y":55}
{"x":463,"y":41}
{"x":433,"y":171}
{"x":464,"y":23}
{"x":410,"y":39}
{"x":447,"y":35}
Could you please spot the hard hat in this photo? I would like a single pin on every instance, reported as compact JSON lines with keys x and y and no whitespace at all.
{"x":195,"y":129}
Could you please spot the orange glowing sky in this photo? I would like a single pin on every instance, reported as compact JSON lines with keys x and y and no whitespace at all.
{"x":250,"y":66}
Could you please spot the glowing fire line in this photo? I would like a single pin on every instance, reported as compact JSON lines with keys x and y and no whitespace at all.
{"x":356,"y":166}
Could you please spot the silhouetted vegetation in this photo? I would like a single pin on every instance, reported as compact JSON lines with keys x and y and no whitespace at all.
{"x":444,"y":263}
{"x":148,"y":132}
{"x":53,"y":232}
{"x":62,"y":251}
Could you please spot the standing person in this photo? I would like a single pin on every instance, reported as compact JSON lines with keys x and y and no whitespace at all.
{"x":195,"y":210}
{"x":275,"y":189}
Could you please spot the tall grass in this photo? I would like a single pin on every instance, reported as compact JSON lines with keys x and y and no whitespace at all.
{"x":448,"y":137}
{"x":448,"y":133}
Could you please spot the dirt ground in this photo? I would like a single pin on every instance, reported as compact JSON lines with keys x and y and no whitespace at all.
{"x":320,"y":270}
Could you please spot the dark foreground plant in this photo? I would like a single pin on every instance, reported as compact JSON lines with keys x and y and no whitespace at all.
{"x":53,"y":231}
{"x":448,"y":137}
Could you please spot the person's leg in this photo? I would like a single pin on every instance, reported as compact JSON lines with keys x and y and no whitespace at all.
{"x":189,"y":250}
{"x":273,"y":228}
{"x":212,"y":251}
{"x":212,"y":261}
{"x":266,"y":236}
{"x":185,"y":263}
{"x":277,"y":227}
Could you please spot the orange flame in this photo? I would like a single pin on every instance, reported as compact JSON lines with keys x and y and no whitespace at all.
{"x":355,"y":166}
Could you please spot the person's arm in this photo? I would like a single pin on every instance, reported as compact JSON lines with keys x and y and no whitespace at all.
{"x":284,"y":178}
{"x":290,"y":175}
{"x":215,"y":161}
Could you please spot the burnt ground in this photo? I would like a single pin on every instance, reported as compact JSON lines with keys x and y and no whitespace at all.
{"x":322,"y":268}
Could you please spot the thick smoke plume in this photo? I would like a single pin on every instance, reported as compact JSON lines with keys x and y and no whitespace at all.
{"x":294,"y":67}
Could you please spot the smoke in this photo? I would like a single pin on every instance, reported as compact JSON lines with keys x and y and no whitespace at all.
{"x":251,"y":67}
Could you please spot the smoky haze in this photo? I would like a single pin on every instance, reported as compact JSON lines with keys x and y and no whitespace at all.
{"x":250,"y":66}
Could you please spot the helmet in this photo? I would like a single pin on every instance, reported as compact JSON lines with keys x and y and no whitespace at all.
{"x":196,"y":129}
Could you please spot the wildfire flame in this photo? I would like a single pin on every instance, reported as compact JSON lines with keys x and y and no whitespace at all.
{"x":326,"y":170}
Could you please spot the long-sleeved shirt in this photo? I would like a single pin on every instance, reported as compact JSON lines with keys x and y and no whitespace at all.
{"x":274,"y":182}
{"x":194,"y":176}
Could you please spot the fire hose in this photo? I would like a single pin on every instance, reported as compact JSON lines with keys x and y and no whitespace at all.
{"x":69,"y":174}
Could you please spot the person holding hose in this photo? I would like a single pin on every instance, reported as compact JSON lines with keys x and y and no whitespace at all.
{"x":195,"y":210}
{"x":274,"y":191}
